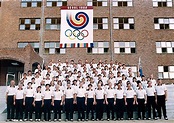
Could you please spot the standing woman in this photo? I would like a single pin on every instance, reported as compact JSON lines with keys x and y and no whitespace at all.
{"x":89,"y":101}
{"x":19,"y":102}
{"x":110,"y":100}
{"x":161,"y":92}
{"x":69,"y":101}
{"x":151,"y":97}
{"x":141,"y":101}
{"x":99,"y":101}
{"x":10,"y":91}
{"x":130,"y":100}
{"x":57,"y":102}
{"x":119,"y":101}
{"x":28,"y":99}
{"x":47,"y":103}
{"x":80,"y":97}
{"x":37,"y":103}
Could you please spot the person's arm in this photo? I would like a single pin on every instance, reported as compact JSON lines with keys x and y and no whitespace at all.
{"x":52,"y":102}
{"x":6,"y":96}
{"x":165,"y":95}
{"x":155,"y":97}
{"x":125,"y":100}
{"x":145,"y":98}
{"x":134,"y":100}
{"x":14,"y":99}
{"x":62,"y":100}
{"x":105,"y":97}
{"x":114,"y":99}
{"x":86,"y":98}
{"x":75,"y":98}
{"x":95,"y":100}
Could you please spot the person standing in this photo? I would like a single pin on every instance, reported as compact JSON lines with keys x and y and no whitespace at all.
{"x":110,"y":100}
{"x":69,"y":101}
{"x":161,"y":92}
{"x":10,"y":91}
{"x":80,"y":97}
{"x":57,"y":102}
{"x":47,"y":103}
{"x":130,"y":99}
{"x":119,"y":101}
{"x":19,"y":102}
{"x":141,"y":101}
{"x":89,"y":101}
{"x":151,"y":97}
{"x":28,"y":99}
{"x":37,"y":103}
{"x":99,"y":101}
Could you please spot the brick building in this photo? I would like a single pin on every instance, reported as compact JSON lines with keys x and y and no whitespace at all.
{"x":124,"y":30}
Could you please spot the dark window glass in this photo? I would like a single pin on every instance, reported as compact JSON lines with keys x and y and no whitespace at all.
{"x":166,"y":69}
{"x":122,"y":50}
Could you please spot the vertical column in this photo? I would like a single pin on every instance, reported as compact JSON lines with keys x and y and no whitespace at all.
{"x":41,"y":43}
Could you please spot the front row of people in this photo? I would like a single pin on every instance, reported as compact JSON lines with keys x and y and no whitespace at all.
{"x":90,"y":100}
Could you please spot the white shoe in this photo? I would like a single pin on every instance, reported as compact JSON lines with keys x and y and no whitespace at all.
{"x":55,"y":120}
{"x":20,"y":120}
{"x":59,"y":120}
{"x":31,"y":119}
{"x":25,"y":119}
{"x":38,"y":120}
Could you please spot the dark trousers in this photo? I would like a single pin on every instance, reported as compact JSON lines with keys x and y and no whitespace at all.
{"x":19,"y":109}
{"x":130,"y":107}
{"x":28,"y":107}
{"x":69,"y":108}
{"x":10,"y":107}
{"x":110,"y":107}
{"x":90,"y":107}
{"x":38,"y":111}
{"x":57,"y":108}
{"x":81,"y":107}
{"x":151,"y":104}
{"x":99,"y":109}
{"x":161,"y":103}
{"x":141,"y":108}
{"x":120,"y":108}
{"x":47,"y":109}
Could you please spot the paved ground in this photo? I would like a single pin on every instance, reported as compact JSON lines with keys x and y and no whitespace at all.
{"x":124,"y":121}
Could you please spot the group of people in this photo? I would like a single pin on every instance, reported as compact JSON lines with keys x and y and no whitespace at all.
{"x":88,"y":88}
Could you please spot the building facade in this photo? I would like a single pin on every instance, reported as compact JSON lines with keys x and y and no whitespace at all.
{"x":124,"y":30}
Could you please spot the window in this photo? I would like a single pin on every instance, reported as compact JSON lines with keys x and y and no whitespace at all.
{"x":123,"y":23}
{"x":100,"y":23}
{"x":162,"y":3}
{"x":165,"y":47}
{"x":55,"y":3}
{"x":121,"y":3}
{"x":35,"y":45}
{"x":31,"y":3}
{"x":54,"y":48}
{"x":124,"y":47}
{"x":97,"y":3}
{"x":166,"y":72}
{"x":164,"y":23}
{"x":52,"y":23}
{"x":99,"y":48}
{"x":29,"y":24}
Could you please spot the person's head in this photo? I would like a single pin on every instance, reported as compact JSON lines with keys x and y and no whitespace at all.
{"x":57,"y":87}
{"x":159,"y":82}
{"x":110,"y":84}
{"x":38,"y":88}
{"x":12,"y":83}
{"x":99,"y":85}
{"x":68,"y":83}
{"x":20,"y":85}
{"x":33,"y":80}
{"x":149,"y":83}
{"x":47,"y":86}
{"x":140,"y":85}
{"x":74,"y":82}
{"x":119,"y":85}
{"x":29,"y":73}
{"x":81,"y":84}
{"x":129,"y":85}
{"x":29,"y":84}
{"x":89,"y":86}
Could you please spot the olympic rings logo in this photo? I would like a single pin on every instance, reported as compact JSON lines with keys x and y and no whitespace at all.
{"x":76,"y":34}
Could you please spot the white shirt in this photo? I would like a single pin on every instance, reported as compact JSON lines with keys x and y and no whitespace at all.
{"x":69,"y":93}
{"x":81,"y":92}
{"x":110,"y":93}
{"x":19,"y":94}
{"x":57,"y":94}
{"x":140,"y":93}
{"x":29,"y":92}
{"x":47,"y":94}
{"x":150,"y":91}
{"x":10,"y":90}
{"x":130,"y":93}
{"x":38,"y":96}
{"x":99,"y":94}
{"x":90,"y":93}
{"x":160,"y":90}
{"x":119,"y":93}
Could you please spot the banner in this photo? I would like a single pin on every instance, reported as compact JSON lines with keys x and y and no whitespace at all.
{"x":76,"y":26}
